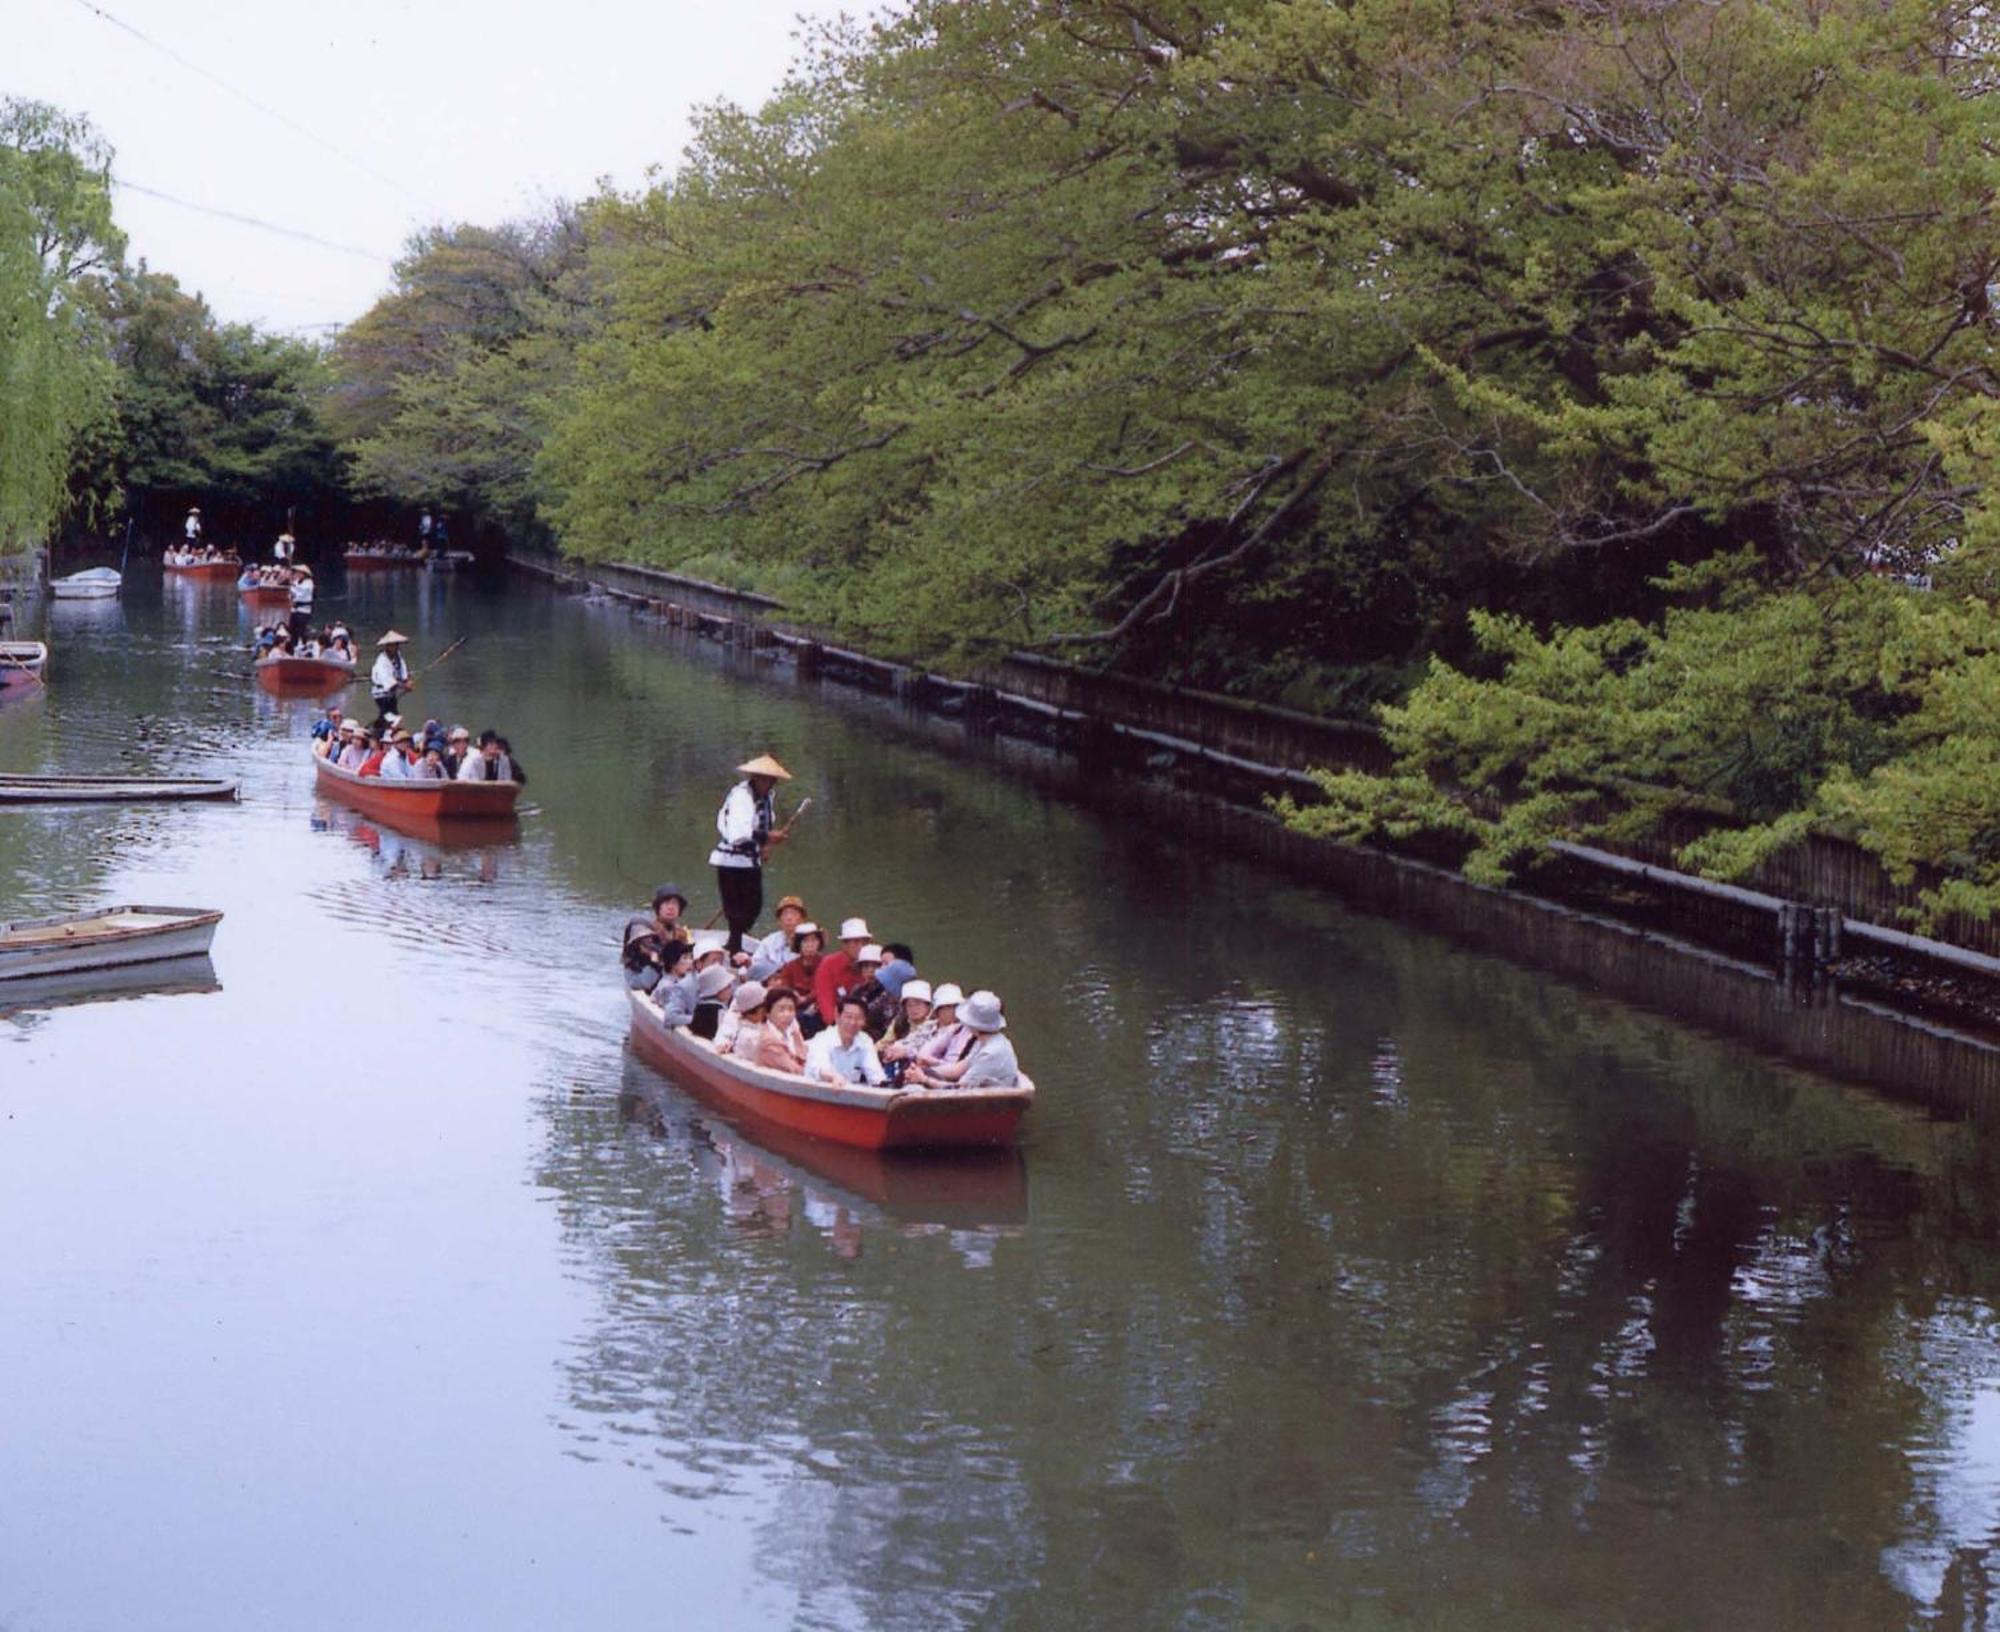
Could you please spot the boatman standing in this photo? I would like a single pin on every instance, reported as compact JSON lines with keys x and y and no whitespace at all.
{"x":390,"y":677}
{"x":282,"y":550}
{"x":747,"y":828}
{"x":302,"y":602}
{"x":193,"y":527}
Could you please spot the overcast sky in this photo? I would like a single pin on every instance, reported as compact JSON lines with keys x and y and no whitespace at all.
{"x":453,"y":110}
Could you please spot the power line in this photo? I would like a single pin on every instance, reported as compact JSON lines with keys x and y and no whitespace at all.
{"x":253,"y":221}
{"x":285,"y":119}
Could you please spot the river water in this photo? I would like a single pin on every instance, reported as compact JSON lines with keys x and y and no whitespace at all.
{"x":1345,"y":1278}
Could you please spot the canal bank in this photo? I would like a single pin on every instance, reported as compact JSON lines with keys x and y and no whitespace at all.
{"x":1822,"y":983}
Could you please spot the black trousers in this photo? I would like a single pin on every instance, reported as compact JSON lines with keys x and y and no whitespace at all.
{"x":742,"y":900}
{"x":384,"y":707}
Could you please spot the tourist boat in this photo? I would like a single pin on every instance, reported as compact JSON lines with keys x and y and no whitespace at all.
{"x":224,"y":567}
{"x":398,"y":800}
{"x":23,"y":664}
{"x":117,"y":790}
{"x":363,"y":558}
{"x":315,"y":674}
{"x":105,"y":939}
{"x":92,"y":584}
{"x":838,"y":1112}
{"x":258,"y":593}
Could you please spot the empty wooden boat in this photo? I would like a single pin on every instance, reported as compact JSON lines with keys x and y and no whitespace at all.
{"x":303,"y":674}
{"x":23,"y":664}
{"x":72,"y":790}
{"x":839,"y":1112}
{"x":92,"y":584}
{"x":394,"y":800}
{"x":106,"y":939}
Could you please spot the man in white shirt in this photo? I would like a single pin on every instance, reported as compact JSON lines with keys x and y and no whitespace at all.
{"x":844,"y":1052}
{"x":193,"y":528}
{"x":389,"y":678}
{"x":746,"y":828}
{"x":302,"y":602}
{"x":396,"y":762}
{"x":488,"y":764}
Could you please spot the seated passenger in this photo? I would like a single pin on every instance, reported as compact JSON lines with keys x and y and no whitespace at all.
{"x":948,"y":1038}
{"x":354,"y":751}
{"x":781,"y":1046}
{"x":429,"y":768}
{"x":677,"y":991}
{"x":372,"y":765}
{"x":489,"y":764}
{"x":988,"y":1062}
{"x":774,"y":951}
{"x":457,"y":746}
{"x":396,"y":762}
{"x":711,"y":998}
{"x":844,"y":1052}
{"x":746,"y":1014}
{"x":913,"y":1025}
{"x":836,"y":976}
{"x":641,"y":956}
{"x":801,"y":973}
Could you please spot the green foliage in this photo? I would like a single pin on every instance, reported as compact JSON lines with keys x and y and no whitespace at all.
{"x":56,"y":236}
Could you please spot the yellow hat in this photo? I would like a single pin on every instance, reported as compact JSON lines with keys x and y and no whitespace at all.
{"x":764,"y":765}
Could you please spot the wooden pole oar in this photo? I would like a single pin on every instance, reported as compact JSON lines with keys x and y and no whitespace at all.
{"x":411,"y":683}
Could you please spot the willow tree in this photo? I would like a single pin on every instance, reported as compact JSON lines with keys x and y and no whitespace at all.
{"x":57,"y":241}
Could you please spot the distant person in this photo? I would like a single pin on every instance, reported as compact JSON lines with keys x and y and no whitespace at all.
{"x":302,"y":602}
{"x":192,"y":527}
{"x":424,"y":527}
{"x":283,"y":549}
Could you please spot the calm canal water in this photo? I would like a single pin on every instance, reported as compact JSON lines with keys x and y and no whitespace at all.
{"x":1345,"y":1278}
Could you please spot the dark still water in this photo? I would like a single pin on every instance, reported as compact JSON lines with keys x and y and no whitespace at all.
{"x":1344,"y":1279}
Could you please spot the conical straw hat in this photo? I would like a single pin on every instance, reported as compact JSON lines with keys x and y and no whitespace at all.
{"x":394,"y":638}
{"x":764,"y":765}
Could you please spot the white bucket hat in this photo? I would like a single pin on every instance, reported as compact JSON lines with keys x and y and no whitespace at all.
{"x":981,"y":1012}
{"x":869,"y":954}
{"x":854,"y":929}
{"x":919,"y":989}
{"x":705,"y":944}
{"x":808,"y":928}
{"x":947,"y":993}
{"x":750,"y":995}
{"x":713,"y":981}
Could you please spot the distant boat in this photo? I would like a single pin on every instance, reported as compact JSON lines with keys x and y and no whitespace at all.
{"x":185,"y":566}
{"x":23,"y":664}
{"x":121,"y":790}
{"x":365,"y":558}
{"x":102,"y":940}
{"x":393,"y":800}
{"x":315,"y":674}
{"x":450,"y":561}
{"x":258,"y":593}
{"x":92,"y":584}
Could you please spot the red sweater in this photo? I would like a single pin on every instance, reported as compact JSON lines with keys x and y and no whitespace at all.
{"x":372,"y":765}
{"x":835,"y":979}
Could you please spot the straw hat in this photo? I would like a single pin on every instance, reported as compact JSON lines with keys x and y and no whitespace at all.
{"x":764,"y":765}
{"x":394,"y":637}
{"x":920,"y":990}
{"x":946,"y":994}
{"x":194,"y":509}
{"x":792,"y":901}
{"x":750,"y":995}
{"x":981,"y":1012}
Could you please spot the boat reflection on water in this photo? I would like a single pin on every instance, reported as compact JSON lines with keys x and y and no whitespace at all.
{"x":424,"y":846}
{"x":166,"y":978}
{"x":770,"y":1180}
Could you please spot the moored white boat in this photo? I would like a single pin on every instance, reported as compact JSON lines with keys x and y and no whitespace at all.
{"x":92,"y":584}
{"x":23,"y":663}
{"x":22,"y":789}
{"x":105,"y":939}
{"x":844,"y":1113}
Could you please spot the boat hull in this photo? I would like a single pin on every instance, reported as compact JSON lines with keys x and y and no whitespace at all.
{"x":104,"y":940}
{"x":82,"y":592}
{"x":367,"y":562}
{"x":74,"y":790}
{"x":206,"y":569}
{"x":395,"y":801}
{"x":857,"y":1116}
{"x":264,"y":594}
{"x":303,"y":674}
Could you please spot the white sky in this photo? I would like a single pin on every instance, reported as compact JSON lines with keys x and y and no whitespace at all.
{"x":470,"y":111}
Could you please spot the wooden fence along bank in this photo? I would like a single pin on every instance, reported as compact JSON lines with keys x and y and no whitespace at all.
{"x":1750,"y":958}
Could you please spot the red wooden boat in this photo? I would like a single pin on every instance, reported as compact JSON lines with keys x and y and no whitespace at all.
{"x":838,"y":1112}
{"x":261,"y":594}
{"x":314,"y":674}
{"x":227,"y":567}
{"x":395,"y":801}
{"x":363,"y":560}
